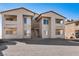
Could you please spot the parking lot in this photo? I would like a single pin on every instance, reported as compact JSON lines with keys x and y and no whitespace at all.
{"x":39,"y":47}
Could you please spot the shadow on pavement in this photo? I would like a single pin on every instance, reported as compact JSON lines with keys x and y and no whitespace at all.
{"x":9,"y":42}
{"x":3,"y":45}
{"x":49,"y":42}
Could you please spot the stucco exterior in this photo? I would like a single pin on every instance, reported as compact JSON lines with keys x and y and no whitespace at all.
{"x":34,"y":28}
{"x":19,"y":24}
{"x":52,"y":25}
{"x":70,"y":29}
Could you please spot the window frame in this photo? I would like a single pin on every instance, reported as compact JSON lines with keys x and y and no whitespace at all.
{"x":57,"y":32}
{"x":45,"y":21}
{"x":46,"y":32}
{"x":77,"y":24}
{"x":59,"y":21}
{"x":26,"y":32}
{"x":25,"y":20}
{"x":9,"y":19}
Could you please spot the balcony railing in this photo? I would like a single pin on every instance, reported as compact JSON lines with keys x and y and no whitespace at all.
{"x":10,"y":22}
{"x":60,"y":26}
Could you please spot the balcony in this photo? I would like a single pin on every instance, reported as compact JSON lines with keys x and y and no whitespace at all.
{"x":59,"y":26}
{"x":11,"y":22}
{"x":59,"y":23}
{"x":59,"y":33}
{"x":10,"y":19}
{"x":10,"y":25}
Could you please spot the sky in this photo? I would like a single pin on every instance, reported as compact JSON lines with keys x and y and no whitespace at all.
{"x":69,"y":10}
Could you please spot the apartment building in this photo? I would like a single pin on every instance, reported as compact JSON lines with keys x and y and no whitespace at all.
{"x":71,"y":29}
{"x":22,"y":23}
{"x":16,"y":23}
{"x":50,"y":25}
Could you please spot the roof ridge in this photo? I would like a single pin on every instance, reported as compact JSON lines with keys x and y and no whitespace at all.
{"x":18,"y":8}
{"x":53,"y":12}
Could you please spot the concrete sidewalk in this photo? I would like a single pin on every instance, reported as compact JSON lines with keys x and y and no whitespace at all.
{"x":35,"y":49}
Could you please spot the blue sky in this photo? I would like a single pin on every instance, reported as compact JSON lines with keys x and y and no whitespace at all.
{"x":69,"y":10}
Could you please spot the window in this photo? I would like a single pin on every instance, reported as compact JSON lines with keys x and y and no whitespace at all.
{"x":45,"y":21}
{"x":9,"y":19}
{"x":25,"y":20}
{"x":77,"y":24}
{"x":77,"y":33}
{"x":57,"y":32}
{"x":10,"y":30}
{"x":29,"y":21}
{"x":45,"y":32}
{"x":27,"y":32}
{"x":59,"y":21}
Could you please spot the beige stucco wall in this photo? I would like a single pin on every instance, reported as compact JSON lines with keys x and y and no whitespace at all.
{"x":27,"y":27}
{"x":53,"y":26}
{"x":70,"y":30}
{"x":44,"y":28}
{"x":19,"y":24}
{"x":40,"y":28}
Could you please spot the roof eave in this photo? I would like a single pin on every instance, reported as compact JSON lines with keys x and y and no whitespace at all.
{"x":55,"y":13}
{"x":17,"y":9}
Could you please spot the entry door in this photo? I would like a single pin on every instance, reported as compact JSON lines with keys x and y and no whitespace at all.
{"x":35,"y":33}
